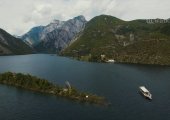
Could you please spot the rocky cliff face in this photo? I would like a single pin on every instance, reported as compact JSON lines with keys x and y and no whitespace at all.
{"x":33,"y":36}
{"x":55,"y":36}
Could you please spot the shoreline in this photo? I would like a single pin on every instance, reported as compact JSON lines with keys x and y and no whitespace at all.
{"x":74,"y":58}
{"x":118,"y":62}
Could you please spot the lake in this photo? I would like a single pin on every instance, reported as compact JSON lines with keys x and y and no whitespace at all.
{"x":118,"y":83}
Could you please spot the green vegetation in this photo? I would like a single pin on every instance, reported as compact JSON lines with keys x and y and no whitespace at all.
{"x":146,"y":52}
{"x":96,"y":39}
{"x":41,"y":85}
{"x":124,"y":41}
{"x":13,"y":46}
{"x":42,"y":49}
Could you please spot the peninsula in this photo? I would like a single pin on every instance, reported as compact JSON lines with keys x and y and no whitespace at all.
{"x":33,"y":83}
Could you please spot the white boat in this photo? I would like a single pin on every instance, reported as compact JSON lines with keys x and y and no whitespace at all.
{"x":111,"y":61}
{"x":145,"y":92}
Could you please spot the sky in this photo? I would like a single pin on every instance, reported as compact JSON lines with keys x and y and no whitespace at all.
{"x":18,"y":16}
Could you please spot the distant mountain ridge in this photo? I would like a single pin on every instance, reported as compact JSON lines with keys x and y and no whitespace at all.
{"x":55,"y":36}
{"x":10,"y":45}
{"x":104,"y":37}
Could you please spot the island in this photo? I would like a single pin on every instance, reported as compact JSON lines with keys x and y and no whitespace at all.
{"x":33,"y":83}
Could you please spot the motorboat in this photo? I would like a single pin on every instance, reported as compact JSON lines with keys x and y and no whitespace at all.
{"x":145,"y":92}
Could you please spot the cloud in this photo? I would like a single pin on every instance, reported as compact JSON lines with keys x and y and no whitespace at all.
{"x":18,"y":16}
{"x":39,"y":14}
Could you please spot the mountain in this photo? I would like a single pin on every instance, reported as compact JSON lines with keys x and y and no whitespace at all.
{"x":55,"y":36}
{"x":134,"y":41}
{"x":10,"y":45}
{"x":33,"y":36}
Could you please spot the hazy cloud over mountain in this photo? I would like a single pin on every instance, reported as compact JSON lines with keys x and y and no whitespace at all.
{"x":18,"y":16}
